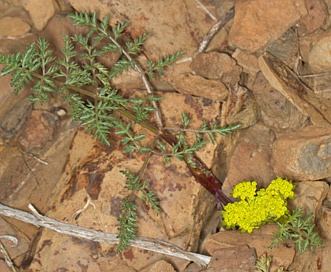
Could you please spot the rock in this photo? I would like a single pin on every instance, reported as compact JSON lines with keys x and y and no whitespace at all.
{"x":13,"y":26}
{"x":276,"y":111}
{"x":287,"y":82}
{"x":316,"y":17}
{"x":249,"y":158}
{"x":240,"y":108}
{"x":323,"y":221}
{"x":234,"y":259}
{"x":317,"y":61}
{"x":218,"y":66}
{"x":321,"y":84}
{"x":198,"y":86}
{"x":14,"y":250}
{"x":40,"y":11}
{"x":316,"y":260}
{"x":309,"y":196}
{"x":286,"y":48}
{"x":307,"y":154}
{"x":255,"y":18}
{"x":159,"y":266}
{"x":40,"y":128}
{"x":13,"y":121}
{"x":171,"y":32}
{"x":93,"y":170}
{"x":247,"y":61}
{"x":259,"y":240}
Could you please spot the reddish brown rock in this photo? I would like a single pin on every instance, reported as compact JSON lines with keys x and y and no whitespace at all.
{"x":39,"y":129}
{"x":259,"y":240}
{"x":277,"y":111}
{"x":316,"y":17}
{"x":323,"y":221}
{"x":320,"y":48}
{"x":40,"y":11}
{"x":316,"y":260}
{"x":234,"y":259}
{"x":309,"y":196}
{"x":160,"y":266}
{"x":13,"y":26}
{"x":257,"y":23}
{"x":250,"y":158}
{"x":216,"y":66}
{"x":198,"y":86}
{"x":303,"y":155}
{"x":94,"y":169}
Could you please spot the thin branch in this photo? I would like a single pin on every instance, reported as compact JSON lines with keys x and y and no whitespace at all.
{"x":217,"y":27}
{"x":206,"y":10}
{"x":4,"y":252}
{"x":143,"y":77}
{"x":150,"y":244}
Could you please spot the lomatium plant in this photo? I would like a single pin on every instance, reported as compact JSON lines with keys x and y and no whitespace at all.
{"x":257,"y":208}
{"x":82,"y":80}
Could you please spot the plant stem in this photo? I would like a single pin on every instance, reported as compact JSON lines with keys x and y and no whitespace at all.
{"x":198,"y":169}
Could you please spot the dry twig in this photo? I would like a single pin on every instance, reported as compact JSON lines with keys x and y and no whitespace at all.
{"x":108,"y":238}
{"x":5,"y":254}
{"x":216,"y":27}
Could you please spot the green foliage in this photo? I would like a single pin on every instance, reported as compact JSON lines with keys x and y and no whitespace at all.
{"x":128,"y":226}
{"x":263,"y":264}
{"x":161,"y":64}
{"x":257,"y":208}
{"x":85,"y":83}
{"x":299,"y":229}
{"x":133,"y":183}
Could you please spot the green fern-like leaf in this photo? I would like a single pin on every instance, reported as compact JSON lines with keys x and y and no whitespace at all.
{"x":128,"y":226}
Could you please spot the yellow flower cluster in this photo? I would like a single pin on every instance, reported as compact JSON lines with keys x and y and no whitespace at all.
{"x":257,"y":208}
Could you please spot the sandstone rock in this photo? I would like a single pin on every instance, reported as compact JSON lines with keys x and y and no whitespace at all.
{"x":240,"y":108}
{"x":160,"y":266}
{"x":306,"y":152}
{"x":309,"y":196}
{"x":14,"y":250}
{"x":234,"y":259}
{"x":254,"y":20}
{"x":13,"y":26}
{"x":40,"y":11}
{"x":249,"y":158}
{"x":185,"y":204}
{"x":198,"y":86}
{"x":40,"y":128}
{"x":317,"y":60}
{"x":287,"y":82}
{"x":286,"y":48}
{"x":215,"y":65}
{"x":277,"y":111}
{"x":171,"y":32}
{"x":15,"y":119}
{"x":316,"y":17}
{"x":259,"y":240}
{"x":316,"y":260}
{"x":324,"y":220}
{"x":247,"y":61}
{"x":321,"y":84}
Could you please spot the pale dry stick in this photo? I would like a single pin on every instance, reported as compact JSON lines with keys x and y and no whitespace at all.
{"x":216,"y":27}
{"x":210,"y":35}
{"x":206,"y":10}
{"x":4,"y":252}
{"x":143,"y":77}
{"x":149,"y":244}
